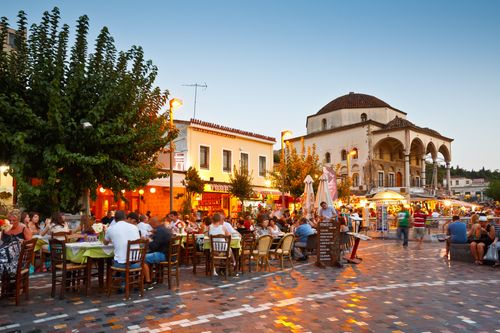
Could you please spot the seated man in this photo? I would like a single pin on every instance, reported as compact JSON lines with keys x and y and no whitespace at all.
{"x":303,"y":231}
{"x":119,"y":235}
{"x":457,"y":233}
{"x":158,"y":247}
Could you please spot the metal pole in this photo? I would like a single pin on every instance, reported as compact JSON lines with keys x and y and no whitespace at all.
{"x":283,"y":171}
{"x":171,"y":116}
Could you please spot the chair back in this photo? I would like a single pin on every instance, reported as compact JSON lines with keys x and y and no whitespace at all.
{"x":136,"y":251}
{"x":174,"y":249}
{"x":26,"y":255}
{"x":264,"y":244}
{"x":286,"y":244}
{"x":220,"y":245}
{"x":248,"y":241}
{"x":57,"y":252}
{"x":60,"y":235}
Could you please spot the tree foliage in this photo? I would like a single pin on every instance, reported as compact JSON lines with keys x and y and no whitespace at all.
{"x":75,"y":120}
{"x":241,"y":184}
{"x":193,"y":184}
{"x":290,"y":173}
{"x":493,"y":190}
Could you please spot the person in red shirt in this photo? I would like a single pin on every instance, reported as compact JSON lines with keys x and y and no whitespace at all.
{"x":419,"y":219}
{"x":248,"y":223}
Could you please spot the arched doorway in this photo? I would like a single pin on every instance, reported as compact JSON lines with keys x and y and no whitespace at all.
{"x":399,"y":179}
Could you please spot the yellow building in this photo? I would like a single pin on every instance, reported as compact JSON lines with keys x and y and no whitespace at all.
{"x":215,"y":151}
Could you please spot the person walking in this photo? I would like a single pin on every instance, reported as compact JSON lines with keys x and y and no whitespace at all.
{"x":403,"y":224}
{"x":419,"y":219}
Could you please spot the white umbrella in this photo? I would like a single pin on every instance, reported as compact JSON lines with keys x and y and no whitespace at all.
{"x":308,"y":197}
{"x":323,"y":193}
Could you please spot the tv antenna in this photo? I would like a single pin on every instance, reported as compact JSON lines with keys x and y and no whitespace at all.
{"x":196,"y":86}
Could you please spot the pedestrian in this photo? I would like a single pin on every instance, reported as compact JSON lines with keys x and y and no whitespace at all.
{"x":403,"y":224}
{"x":419,"y":219}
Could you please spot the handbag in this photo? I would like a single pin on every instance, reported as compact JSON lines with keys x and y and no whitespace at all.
{"x":9,"y":255}
{"x":492,"y":253}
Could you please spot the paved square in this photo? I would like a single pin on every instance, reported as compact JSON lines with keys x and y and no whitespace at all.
{"x":392,"y":290}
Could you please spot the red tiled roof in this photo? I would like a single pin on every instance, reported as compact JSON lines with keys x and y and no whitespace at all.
{"x":232,"y":130}
{"x":355,"y":101}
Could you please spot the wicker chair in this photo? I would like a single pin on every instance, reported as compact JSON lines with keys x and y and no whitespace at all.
{"x":247,"y":247}
{"x":284,"y":248}
{"x":261,"y":251}
{"x":71,"y":274}
{"x":136,"y":254}
{"x":171,"y":266}
{"x":220,"y":253}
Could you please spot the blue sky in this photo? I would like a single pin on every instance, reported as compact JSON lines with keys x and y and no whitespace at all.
{"x":269,"y":64}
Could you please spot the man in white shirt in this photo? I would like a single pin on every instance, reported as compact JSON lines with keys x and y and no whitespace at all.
{"x":119,"y":235}
{"x":326,"y":212}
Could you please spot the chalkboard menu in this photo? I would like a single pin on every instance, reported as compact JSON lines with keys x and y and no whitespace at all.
{"x":328,"y":247}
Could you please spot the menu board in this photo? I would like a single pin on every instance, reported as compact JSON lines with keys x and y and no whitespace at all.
{"x":328,"y":247}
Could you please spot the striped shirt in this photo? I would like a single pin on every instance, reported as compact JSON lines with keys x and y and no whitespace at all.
{"x":419,"y":219}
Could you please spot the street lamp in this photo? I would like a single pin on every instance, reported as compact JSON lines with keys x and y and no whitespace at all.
{"x":174,"y":104}
{"x":285,"y":133}
{"x":86,"y":125}
{"x":351,"y":153}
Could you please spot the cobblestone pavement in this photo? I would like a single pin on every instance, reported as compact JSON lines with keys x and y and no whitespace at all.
{"x":392,"y":290}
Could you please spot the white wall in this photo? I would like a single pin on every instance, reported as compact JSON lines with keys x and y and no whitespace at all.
{"x":345,"y":117}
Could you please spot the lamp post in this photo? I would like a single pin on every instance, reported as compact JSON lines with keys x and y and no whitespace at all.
{"x":174,"y":103}
{"x":285,"y":133}
{"x":86,"y":125}
{"x":349,"y":154}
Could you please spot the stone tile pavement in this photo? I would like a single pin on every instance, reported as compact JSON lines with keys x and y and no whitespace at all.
{"x":392,"y":290}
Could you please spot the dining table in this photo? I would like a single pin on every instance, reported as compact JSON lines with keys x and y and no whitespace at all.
{"x":90,"y":253}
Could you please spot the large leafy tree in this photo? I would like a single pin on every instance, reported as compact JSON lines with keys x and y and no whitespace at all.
{"x":74,"y":120}
{"x":292,"y":170}
{"x":493,"y":190}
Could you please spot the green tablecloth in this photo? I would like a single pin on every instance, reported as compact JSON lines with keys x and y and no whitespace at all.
{"x":40,"y":242}
{"x":79,"y":252}
{"x":235,"y":243}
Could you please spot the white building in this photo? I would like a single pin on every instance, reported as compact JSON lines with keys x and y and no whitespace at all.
{"x":375,"y":144}
{"x":469,"y":189}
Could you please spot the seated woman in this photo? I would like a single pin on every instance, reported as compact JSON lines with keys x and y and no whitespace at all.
{"x":33,"y":224}
{"x":85,"y":227}
{"x":19,"y":231}
{"x":191,"y":225}
{"x":241,"y":227}
{"x":261,"y":229}
{"x":56,"y":224}
{"x":480,"y":237}
{"x":274,"y":230}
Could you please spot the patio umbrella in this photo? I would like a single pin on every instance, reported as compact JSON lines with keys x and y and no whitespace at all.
{"x":323,"y":193}
{"x":308,"y":197}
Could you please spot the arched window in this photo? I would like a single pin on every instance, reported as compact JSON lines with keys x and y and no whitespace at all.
{"x":328,"y":158}
{"x":355,"y":154}
{"x":323,"y":124}
{"x":355,"y":179}
{"x":364,"y":117}
{"x":343,"y":155}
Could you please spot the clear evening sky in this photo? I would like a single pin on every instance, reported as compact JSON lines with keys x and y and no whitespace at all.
{"x":269,"y":64}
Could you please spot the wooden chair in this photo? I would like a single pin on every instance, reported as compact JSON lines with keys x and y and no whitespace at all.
{"x":136,"y":254}
{"x":284,"y":248}
{"x":220,"y":253}
{"x":21,"y":279}
{"x":247,"y":247}
{"x":261,"y":251}
{"x":200,"y":255}
{"x":189,"y":248}
{"x":71,"y":274}
{"x":172,"y":263}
